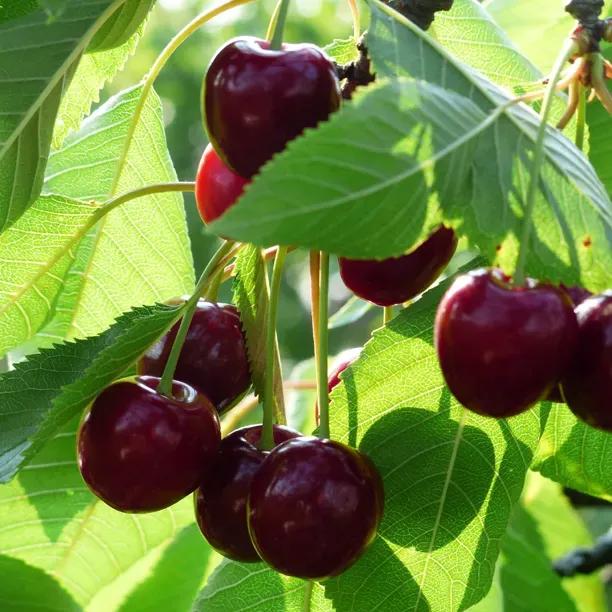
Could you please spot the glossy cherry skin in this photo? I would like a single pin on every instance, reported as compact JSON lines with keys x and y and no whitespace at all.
{"x":314,"y":507}
{"x":214,"y":357}
{"x":140,"y":451}
{"x":399,"y":279}
{"x":221,"y":499}
{"x":503,"y":348}
{"x":217,"y":187}
{"x":587,"y":386}
{"x":256,"y":99}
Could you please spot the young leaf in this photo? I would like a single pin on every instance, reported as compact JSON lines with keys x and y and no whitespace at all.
{"x":343,"y":51}
{"x":35,"y":258}
{"x":451,"y":478}
{"x":32,"y":85}
{"x":543,"y":527}
{"x":573,"y":213}
{"x":46,"y":391}
{"x":575,"y":454}
{"x":51,"y":521}
{"x":137,"y":254}
{"x":251,"y":296}
{"x":121,"y":25}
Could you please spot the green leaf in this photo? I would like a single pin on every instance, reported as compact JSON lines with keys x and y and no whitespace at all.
{"x":468,"y":28}
{"x":573,"y":212}
{"x":536,"y":27}
{"x":51,"y":521}
{"x":251,"y":296}
{"x":92,"y":73}
{"x":33,"y":85}
{"x":600,"y":128}
{"x":451,"y":478}
{"x":16,"y":8}
{"x":255,"y":587}
{"x":24,"y":588}
{"x":543,"y":527}
{"x":43,"y":393}
{"x":575,"y":454}
{"x":357,"y":186}
{"x":35,"y":256}
{"x":350,"y":312}
{"x":139,"y":253}
{"x":122,"y":25}
{"x":343,"y":51}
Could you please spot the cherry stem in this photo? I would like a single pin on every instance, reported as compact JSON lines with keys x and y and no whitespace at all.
{"x":322,"y":346}
{"x":165,"y":384}
{"x":279,"y":19}
{"x":267,"y":432}
{"x":315,"y":267}
{"x":581,"y":117}
{"x":356,"y":18}
{"x":308,"y":587}
{"x":387,"y":314}
{"x":569,"y":49}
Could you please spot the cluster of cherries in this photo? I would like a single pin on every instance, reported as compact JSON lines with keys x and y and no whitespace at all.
{"x":308,"y":507}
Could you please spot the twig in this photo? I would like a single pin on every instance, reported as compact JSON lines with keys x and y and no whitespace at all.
{"x":586,"y":560}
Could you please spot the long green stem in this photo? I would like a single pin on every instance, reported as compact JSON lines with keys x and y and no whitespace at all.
{"x":267,"y":434}
{"x":165,"y":384}
{"x":321,"y":359}
{"x":581,"y":117}
{"x":356,"y":18}
{"x":279,"y":26}
{"x":569,"y":48}
{"x":307,"y":596}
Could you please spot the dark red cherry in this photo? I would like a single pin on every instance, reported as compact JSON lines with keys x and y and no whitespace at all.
{"x":399,"y":279}
{"x":502,"y":348}
{"x":257,"y":99}
{"x":577,"y":294}
{"x":221,"y":499}
{"x":588,"y":384}
{"x":140,"y":451}
{"x":214,"y":357}
{"x":217,"y":187}
{"x":314,"y":507}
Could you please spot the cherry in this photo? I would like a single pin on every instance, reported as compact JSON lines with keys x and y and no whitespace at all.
{"x":217,"y":187}
{"x":399,"y":279}
{"x":257,"y":99}
{"x":214,"y":357}
{"x":587,"y":386}
{"x":502,"y":348}
{"x":314,"y":507}
{"x":221,"y":499}
{"x":140,"y":451}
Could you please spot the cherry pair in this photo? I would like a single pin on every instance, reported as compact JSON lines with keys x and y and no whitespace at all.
{"x":308,"y":508}
{"x":256,"y":100}
{"x":502,"y":348}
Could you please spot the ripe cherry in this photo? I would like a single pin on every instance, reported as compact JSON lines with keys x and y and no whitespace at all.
{"x":587,"y":385}
{"x":257,"y":99}
{"x":221,"y":499}
{"x":217,"y":187}
{"x":140,"y":451}
{"x":314,"y":507}
{"x":214,"y":357}
{"x":399,"y":279}
{"x":502,"y":348}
